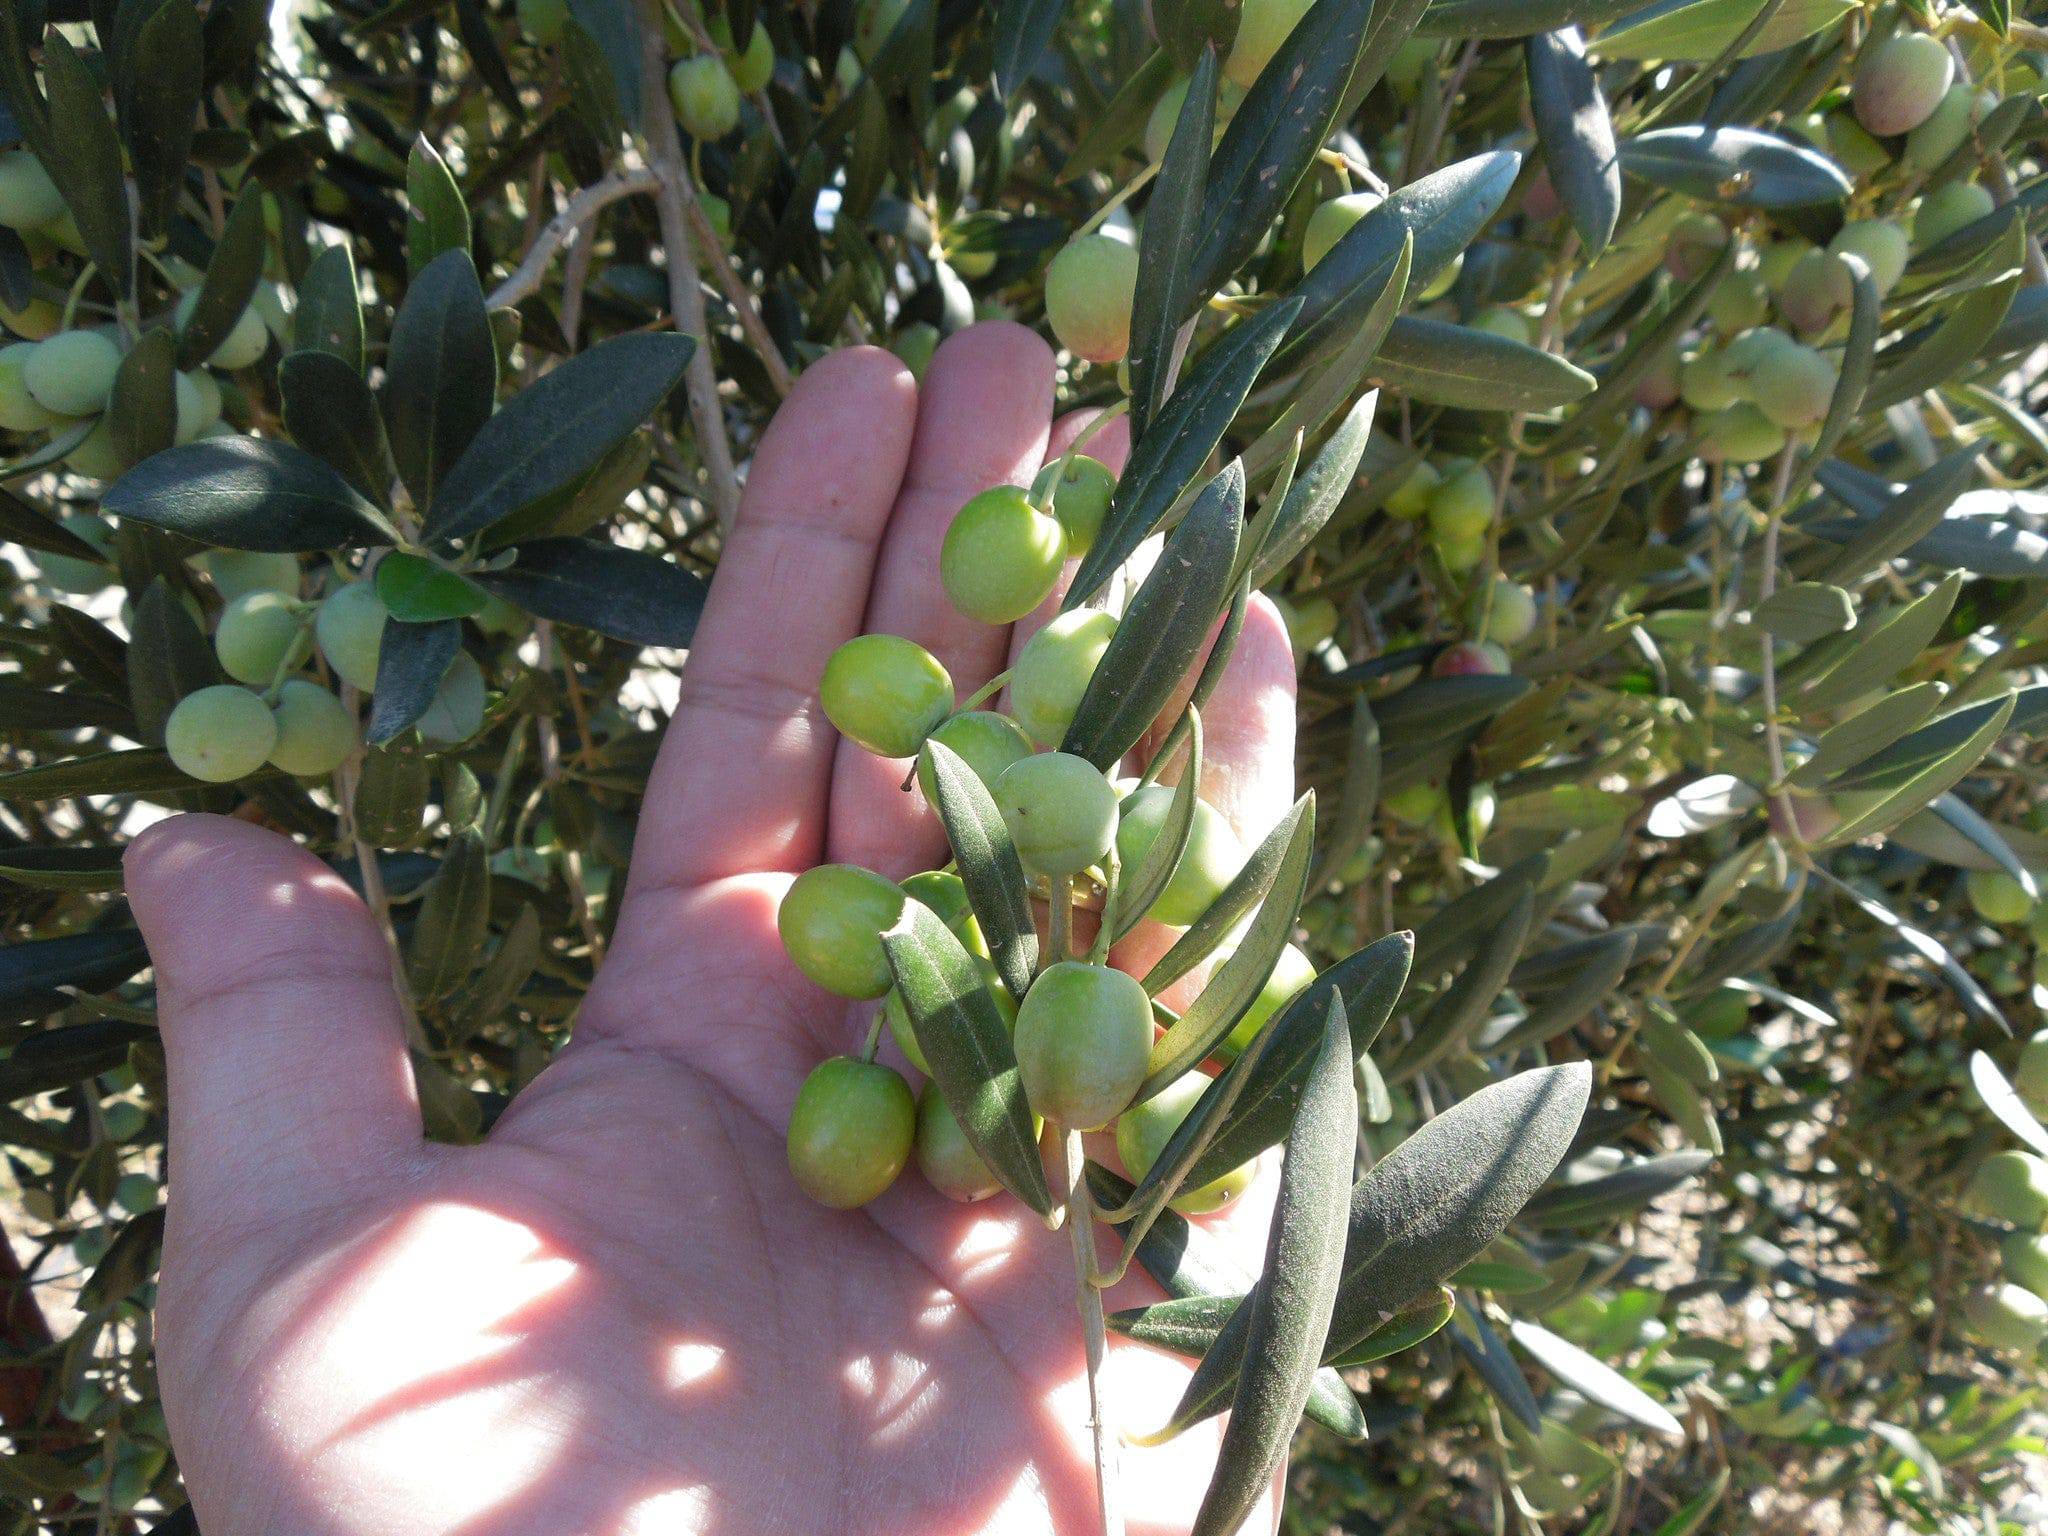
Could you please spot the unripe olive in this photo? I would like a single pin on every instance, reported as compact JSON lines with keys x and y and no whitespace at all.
{"x":944,"y":892}
{"x":1952,"y":206}
{"x":915,"y":344}
{"x":1209,"y":862}
{"x":1945,"y":129}
{"x":1414,"y":805}
{"x":238,"y":571}
{"x":753,"y":69}
{"x":220,"y":734}
{"x":1001,"y":556}
{"x":1262,"y":26}
{"x":1507,"y":323}
{"x":986,"y":741}
{"x":1509,"y":618}
{"x":1462,"y":506}
{"x":1471,"y":658}
{"x":28,"y":198}
{"x":1882,"y":245}
{"x":245,"y":342}
{"x":1657,"y":385}
{"x":2010,"y":1187}
{"x":1899,"y":83}
{"x":1084,"y":1039}
{"x":63,"y":573}
{"x":543,"y":20}
{"x":1461,"y":555}
{"x":1853,"y":148}
{"x":1053,"y":671}
{"x":1411,"y":58}
{"x":1706,"y":382}
{"x":2006,"y":1316}
{"x":1741,"y":434}
{"x":1997,"y":897}
{"x":1165,"y":115}
{"x":1739,"y":301}
{"x":20,"y":411}
{"x":1445,"y":279}
{"x":350,"y":629}
{"x":98,"y":457}
{"x":1480,"y":806}
{"x":850,"y":1132}
{"x":1774,"y":263}
{"x":1291,"y":974}
{"x":456,"y":712}
{"x":72,"y":373}
{"x":1750,"y":353}
{"x":705,"y":96}
{"x":832,"y":919}
{"x":1089,"y":289}
{"x":1794,"y":388}
{"x":1410,"y":499}
{"x":1332,"y":221}
{"x":1816,"y":291}
{"x":315,"y":731}
{"x":945,"y":1156}
{"x":1080,"y":498}
{"x":1695,"y":240}
{"x":873,"y":23}
{"x":2030,"y":1076}
{"x":260,"y":634}
{"x":886,"y":693}
{"x":1143,"y":1130}
{"x":198,"y":403}
{"x":2023,"y":1256}
{"x":1309,"y":622}
{"x":1060,"y":810}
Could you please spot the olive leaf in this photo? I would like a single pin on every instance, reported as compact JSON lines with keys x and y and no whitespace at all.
{"x":418,"y":591}
{"x":1449,"y":364}
{"x":454,"y":919}
{"x":1594,"y":1379}
{"x":247,"y":493}
{"x":441,"y":373}
{"x":230,"y":282}
{"x":964,"y":1038}
{"x":1910,"y":516}
{"x":989,"y":868}
{"x":629,"y":594}
{"x":1603,"y":1197}
{"x":1998,"y":1095}
{"x":31,"y":972}
{"x":1272,"y":542}
{"x":1461,"y":1006}
{"x":1247,"y":889}
{"x":1166,"y":294}
{"x":1576,"y":133}
{"x":1023,"y":29}
{"x":411,"y":661}
{"x":329,"y":317}
{"x":330,"y":412}
{"x":1735,"y":165}
{"x":1288,"y":1312}
{"x":1596,"y":966}
{"x":142,"y":411}
{"x":1188,"y":1325}
{"x":86,"y":160}
{"x":1164,"y":628}
{"x":437,"y":219}
{"x":162,"y":108}
{"x":168,"y":657}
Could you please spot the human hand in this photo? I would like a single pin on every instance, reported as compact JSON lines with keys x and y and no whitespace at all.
{"x":617,"y":1313}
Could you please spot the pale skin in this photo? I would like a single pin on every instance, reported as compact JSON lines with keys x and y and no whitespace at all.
{"x":617,"y":1313}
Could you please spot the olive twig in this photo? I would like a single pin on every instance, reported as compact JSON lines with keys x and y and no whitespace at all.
{"x":1073,"y":1175}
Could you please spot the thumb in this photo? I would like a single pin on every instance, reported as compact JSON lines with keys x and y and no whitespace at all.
{"x":289,"y":1077}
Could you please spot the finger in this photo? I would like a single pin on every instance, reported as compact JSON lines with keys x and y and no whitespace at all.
{"x":1111,"y":445}
{"x":983,"y":418}
{"x":740,"y":784}
{"x":285,"y":1045}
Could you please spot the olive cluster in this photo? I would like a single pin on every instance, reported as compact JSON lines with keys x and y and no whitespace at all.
{"x":1082,"y":1031}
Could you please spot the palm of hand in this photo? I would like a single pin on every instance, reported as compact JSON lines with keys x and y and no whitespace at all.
{"x":618,"y":1314}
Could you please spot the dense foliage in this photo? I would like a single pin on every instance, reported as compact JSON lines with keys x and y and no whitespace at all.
{"x":1634,"y":410}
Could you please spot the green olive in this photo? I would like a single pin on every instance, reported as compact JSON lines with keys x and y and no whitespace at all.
{"x":315,"y":731}
{"x":1882,"y":245}
{"x":1952,"y":206}
{"x":220,"y":733}
{"x":1462,"y":506}
{"x":2023,"y":1257}
{"x":915,"y":344}
{"x":1262,"y":26}
{"x":886,"y":693}
{"x":1208,"y":863}
{"x":1292,"y":973}
{"x":1997,"y":897}
{"x":2007,"y":1316}
{"x":832,"y":919}
{"x":987,"y":742}
{"x":1060,"y":811}
{"x":99,"y":457}
{"x":73,"y":372}
{"x":753,"y":69}
{"x":941,"y":890}
{"x":1816,"y":292}
{"x":1084,"y":1038}
{"x":247,"y":339}
{"x":543,"y":20}
{"x":945,"y":1156}
{"x":350,"y":629}
{"x":1708,"y":382}
{"x":1471,"y":658}
{"x":1089,"y":290}
{"x":1331,"y":222}
{"x":64,"y":573}
{"x":850,"y":1132}
{"x":1143,"y":1130}
{"x":1414,"y":805}
{"x":1080,"y":498}
{"x":1507,"y":323}
{"x":1899,"y":83}
{"x":2030,"y":1076}
{"x":1795,"y":388}
{"x":20,"y":411}
{"x":1001,"y":556}
{"x":2010,"y":1187}
{"x":1741,"y":434}
{"x":1053,"y":671}
{"x":28,"y":198}
{"x":1739,"y":301}
{"x":236,"y":572}
{"x":1410,"y":499}
{"x":260,"y":635}
{"x":1509,"y":617}
{"x":705,"y":96}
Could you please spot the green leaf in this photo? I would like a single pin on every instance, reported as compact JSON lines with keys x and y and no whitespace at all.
{"x":247,"y":493}
{"x":142,"y":411}
{"x":437,"y":219}
{"x":168,"y":657}
{"x":1910,"y":516}
{"x":1741,"y":166}
{"x":963,"y":1036}
{"x":1166,"y":294}
{"x":1576,"y":134}
{"x":31,"y":972}
{"x":1288,"y":1311}
{"x":1456,"y":929}
{"x":1282,"y":122}
{"x":2003,"y":1100}
{"x":1594,"y":1380}
{"x":441,"y":374}
{"x":1460,"y":1007}
{"x":1178,"y":442}
{"x":1473,"y":19}
{"x":133,"y":771}
{"x":391,"y":797}
{"x":1921,"y":361}
{"x":1164,"y":630}
{"x":1023,"y":29}
{"x":1697,"y":31}
{"x":87,"y":166}
{"x":1404,"y":1330}
{"x":1805,"y":611}
{"x":230,"y":281}
{"x":1882,"y":645}
{"x":557,"y":430}
{"x":1427,"y":1209}
{"x":1595,"y":1200}
{"x":1867,"y":732}
{"x":411,"y":661}
{"x":1965,"y":986}
{"x":63,"y":868}
{"x":628,"y":594}
{"x":1185,"y":1260}
{"x":418,"y":591}
{"x":330,"y":313}
{"x":1647,"y":344}
{"x":1443,"y":212}
{"x":1599,"y":964}
{"x":1237,"y":982}
{"x":1313,"y":498}
{"x":1449,"y":364}
{"x":1496,"y":1366}
{"x":163,"y":108}
{"x":1121,"y":123}
{"x":614,"y":26}
{"x":989,"y":867}
{"x":1893,"y":803}
{"x":23,"y":524}
{"x":1188,"y":1325}
{"x":329,"y":411}
{"x":454,"y":919}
